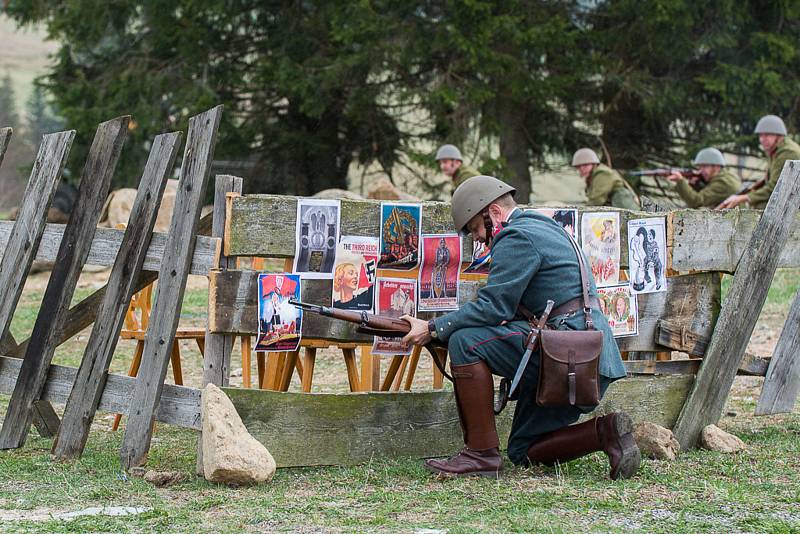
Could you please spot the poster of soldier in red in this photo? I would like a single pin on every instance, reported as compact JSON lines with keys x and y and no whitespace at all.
{"x":395,"y":299}
{"x":354,"y":273}
{"x":279,"y":323}
{"x":400,"y":230}
{"x":438,"y":275}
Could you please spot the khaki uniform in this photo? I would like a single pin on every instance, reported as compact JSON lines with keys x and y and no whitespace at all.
{"x":462,"y":173}
{"x":721,"y":186}
{"x":786,"y":149}
{"x":607,"y":188}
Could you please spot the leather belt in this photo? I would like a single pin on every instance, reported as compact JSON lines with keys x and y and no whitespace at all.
{"x":574,"y":305}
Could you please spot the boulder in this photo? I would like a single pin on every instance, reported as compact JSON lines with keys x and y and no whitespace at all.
{"x":383,"y":189}
{"x":714,"y":438}
{"x":117,"y":209}
{"x":656,"y":441}
{"x":230,"y":454}
{"x":161,"y":479}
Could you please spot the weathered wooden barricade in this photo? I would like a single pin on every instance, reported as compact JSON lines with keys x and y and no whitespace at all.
{"x":319,"y":429}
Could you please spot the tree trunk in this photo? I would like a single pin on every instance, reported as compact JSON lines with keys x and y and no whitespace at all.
{"x":514,"y":147}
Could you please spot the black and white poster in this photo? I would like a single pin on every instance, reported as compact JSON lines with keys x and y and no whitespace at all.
{"x":317,"y":234}
{"x":647,"y":255}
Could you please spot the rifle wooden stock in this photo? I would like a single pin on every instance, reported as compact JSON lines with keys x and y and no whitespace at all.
{"x":369,"y":320}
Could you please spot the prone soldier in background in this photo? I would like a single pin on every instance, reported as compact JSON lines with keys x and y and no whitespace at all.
{"x":451,"y":163}
{"x":716,"y":183}
{"x":772,"y":137}
{"x":604,"y":186}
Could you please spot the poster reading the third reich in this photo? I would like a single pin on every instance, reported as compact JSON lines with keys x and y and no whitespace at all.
{"x":600,"y":242}
{"x":620,"y":308}
{"x":355,"y":272}
{"x":438,"y":275}
{"x":395,"y":299}
{"x":400,"y":230}
{"x":481,"y":259}
{"x":279,"y":322}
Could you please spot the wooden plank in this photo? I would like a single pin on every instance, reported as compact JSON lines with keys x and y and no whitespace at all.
{"x":171,"y":286}
{"x":180,"y":406}
{"x":217,"y":356}
{"x":324,"y":429}
{"x":691,"y":301}
{"x":92,"y":192}
{"x":5,"y":137}
{"x":680,"y":337}
{"x":106,"y":243}
{"x":708,"y":240}
{"x":743,"y":304}
{"x":88,"y":388}
{"x":24,"y":233}
{"x":753,"y":365}
{"x":84,"y":313}
{"x":783,"y":377}
{"x":250,"y":233}
{"x":666,"y":367}
{"x":233,"y":306}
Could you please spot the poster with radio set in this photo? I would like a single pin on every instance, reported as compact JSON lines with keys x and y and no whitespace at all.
{"x":317,"y":233}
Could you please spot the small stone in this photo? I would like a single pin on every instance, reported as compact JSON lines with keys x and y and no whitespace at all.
{"x":162,"y":479}
{"x":230,"y":454}
{"x":137,"y":471}
{"x":714,"y":438}
{"x":655,"y":441}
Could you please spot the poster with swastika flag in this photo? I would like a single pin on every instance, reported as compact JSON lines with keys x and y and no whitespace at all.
{"x":354,"y":273}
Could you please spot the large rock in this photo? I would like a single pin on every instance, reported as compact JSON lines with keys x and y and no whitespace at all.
{"x":383,"y":189}
{"x":714,"y":438}
{"x":337,"y":193}
{"x":230,"y":454}
{"x":117,"y":209}
{"x":656,"y":441}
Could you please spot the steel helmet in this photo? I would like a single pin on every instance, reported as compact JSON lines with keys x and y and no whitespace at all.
{"x":474,"y":195}
{"x":709,"y":156}
{"x":448,"y":152}
{"x":771,"y":124}
{"x":584,"y":156}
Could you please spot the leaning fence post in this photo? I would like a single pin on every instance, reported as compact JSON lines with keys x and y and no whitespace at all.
{"x":740,"y":310}
{"x":783,"y":375}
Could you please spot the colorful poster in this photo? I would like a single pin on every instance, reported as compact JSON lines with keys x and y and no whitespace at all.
{"x":481,"y":259}
{"x":317,"y":233}
{"x":438,"y":275}
{"x":279,"y":323}
{"x":600,"y":237}
{"x":354,"y":273}
{"x":400,"y":231}
{"x":566,"y":219}
{"x":647,"y":255}
{"x":621,"y":309}
{"x":395,"y":299}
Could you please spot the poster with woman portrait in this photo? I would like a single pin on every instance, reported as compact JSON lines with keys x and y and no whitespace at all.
{"x":438,"y":274}
{"x":400,"y":230}
{"x":317,"y":233}
{"x":621,"y":309}
{"x":396,"y":297}
{"x":647,"y":255}
{"x":279,"y":322}
{"x":354,"y":273}
{"x":566,"y":219}
{"x":601,"y":244}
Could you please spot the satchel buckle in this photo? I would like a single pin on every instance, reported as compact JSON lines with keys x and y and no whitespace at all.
{"x":587,"y":314}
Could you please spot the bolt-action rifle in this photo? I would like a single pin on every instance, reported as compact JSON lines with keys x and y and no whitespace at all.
{"x":746,"y":190}
{"x":373,"y":325}
{"x":664,"y":172}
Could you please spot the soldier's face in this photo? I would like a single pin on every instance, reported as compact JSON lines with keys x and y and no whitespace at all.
{"x":449,"y":166}
{"x":768,"y":141}
{"x":585,"y":170}
{"x":477,"y":229}
{"x":708,"y":171}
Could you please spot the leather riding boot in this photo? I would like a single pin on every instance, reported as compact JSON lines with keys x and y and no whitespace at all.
{"x":612,"y":434}
{"x":480,"y":456}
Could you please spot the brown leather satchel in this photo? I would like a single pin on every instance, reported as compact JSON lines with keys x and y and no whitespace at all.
{"x":570,"y":359}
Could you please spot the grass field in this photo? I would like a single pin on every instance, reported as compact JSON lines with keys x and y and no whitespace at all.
{"x":757,"y":490}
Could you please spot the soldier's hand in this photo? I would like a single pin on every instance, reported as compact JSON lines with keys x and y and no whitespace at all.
{"x":733,"y":201}
{"x":674,"y":177}
{"x":419,"y":334}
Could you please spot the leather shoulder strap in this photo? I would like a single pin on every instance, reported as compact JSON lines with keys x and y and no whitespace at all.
{"x":587,"y":310}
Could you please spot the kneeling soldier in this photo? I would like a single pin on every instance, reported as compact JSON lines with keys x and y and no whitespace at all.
{"x":532,"y":261}
{"x":719,"y":183}
{"x":604,"y":185}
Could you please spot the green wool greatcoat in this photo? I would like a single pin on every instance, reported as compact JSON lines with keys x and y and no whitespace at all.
{"x":786,"y":149}
{"x":606,"y":187}
{"x":532,"y":261}
{"x":462,"y":173}
{"x":721,"y":186}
